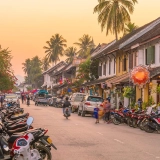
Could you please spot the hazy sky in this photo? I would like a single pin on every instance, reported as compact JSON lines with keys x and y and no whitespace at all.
{"x":25,"y":25}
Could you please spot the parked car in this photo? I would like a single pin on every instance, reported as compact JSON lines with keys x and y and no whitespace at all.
{"x":13,"y":98}
{"x":52,"y":101}
{"x":75,"y":101}
{"x":88,"y":104}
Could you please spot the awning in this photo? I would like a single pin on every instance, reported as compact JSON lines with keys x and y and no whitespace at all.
{"x":97,"y":81}
{"x":118,"y":79}
{"x":44,"y":84}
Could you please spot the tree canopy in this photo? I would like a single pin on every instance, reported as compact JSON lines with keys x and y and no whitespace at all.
{"x":114,"y":14}
{"x":7,"y":78}
{"x":33,"y":69}
{"x":55,"y":47}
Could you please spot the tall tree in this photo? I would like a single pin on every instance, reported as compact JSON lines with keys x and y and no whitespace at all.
{"x":114,"y":14}
{"x":55,"y":47}
{"x":86,"y":44}
{"x":7,"y":78}
{"x":130,"y":27}
{"x":45,"y":64}
{"x":34,"y":70}
{"x":70,"y":53}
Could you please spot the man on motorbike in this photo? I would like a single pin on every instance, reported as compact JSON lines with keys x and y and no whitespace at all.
{"x":66,"y":104}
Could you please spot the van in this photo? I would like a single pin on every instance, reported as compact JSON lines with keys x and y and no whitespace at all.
{"x":75,"y":101}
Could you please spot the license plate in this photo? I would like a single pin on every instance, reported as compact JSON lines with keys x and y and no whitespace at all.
{"x":49,"y":140}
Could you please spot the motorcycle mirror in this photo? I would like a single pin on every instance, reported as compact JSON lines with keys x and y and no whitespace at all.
{"x":29,"y":121}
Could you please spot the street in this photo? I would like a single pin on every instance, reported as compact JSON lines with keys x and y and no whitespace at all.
{"x":79,"y":138}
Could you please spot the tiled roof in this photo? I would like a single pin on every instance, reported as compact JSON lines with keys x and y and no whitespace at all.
{"x":127,"y":40}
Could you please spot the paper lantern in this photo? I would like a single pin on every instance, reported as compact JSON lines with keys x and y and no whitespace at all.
{"x":140,"y":75}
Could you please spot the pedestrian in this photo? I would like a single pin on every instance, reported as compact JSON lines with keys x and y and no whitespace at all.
{"x":28,"y":100}
{"x":96,"y":110}
{"x":104,"y":104}
{"x":108,"y":108}
{"x":22,"y":97}
{"x":25,"y":97}
{"x":120,"y":105}
{"x":1,"y":100}
{"x":140,"y":103}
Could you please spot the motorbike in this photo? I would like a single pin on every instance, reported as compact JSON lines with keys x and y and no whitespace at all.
{"x":67,"y":112}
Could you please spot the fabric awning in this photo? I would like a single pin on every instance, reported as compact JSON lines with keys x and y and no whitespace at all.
{"x":118,"y":79}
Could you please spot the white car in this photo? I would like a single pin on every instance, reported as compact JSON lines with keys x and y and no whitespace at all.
{"x":13,"y":98}
{"x":88,"y":104}
{"x":75,"y":101}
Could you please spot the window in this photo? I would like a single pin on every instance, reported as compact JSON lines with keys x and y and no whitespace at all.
{"x":95,"y":99}
{"x":150,"y":55}
{"x":114,"y":66}
{"x":125,"y":63}
{"x":104,"y":69}
{"x":119,"y":65}
{"x":109,"y":68}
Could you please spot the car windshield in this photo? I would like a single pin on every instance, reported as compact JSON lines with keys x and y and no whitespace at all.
{"x":11,"y":96}
{"x":95,"y":99}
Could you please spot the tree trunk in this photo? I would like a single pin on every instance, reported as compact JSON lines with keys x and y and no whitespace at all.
{"x":116,"y":34}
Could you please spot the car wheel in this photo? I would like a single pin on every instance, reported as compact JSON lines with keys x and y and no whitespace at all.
{"x":83,"y":113}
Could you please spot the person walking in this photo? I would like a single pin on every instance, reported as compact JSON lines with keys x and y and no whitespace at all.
{"x":108,"y":108}
{"x":25,"y":97}
{"x":96,"y":110}
{"x":1,"y":100}
{"x":22,"y":97}
{"x":104,"y":110}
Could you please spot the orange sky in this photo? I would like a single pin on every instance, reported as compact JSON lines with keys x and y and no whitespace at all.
{"x":25,"y":25}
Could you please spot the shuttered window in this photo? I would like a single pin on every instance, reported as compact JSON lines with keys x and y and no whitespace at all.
{"x":109,"y":68}
{"x":104,"y":69}
{"x":150,"y":55}
{"x":131,"y":61}
{"x":124,"y":63}
{"x":99,"y":70}
{"x":119,"y":64}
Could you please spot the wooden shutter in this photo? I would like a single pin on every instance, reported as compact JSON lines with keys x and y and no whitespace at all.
{"x":99,"y":70}
{"x":104,"y":69}
{"x":150,"y":55}
{"x":122,"y":64}
{"x":131,"y":61}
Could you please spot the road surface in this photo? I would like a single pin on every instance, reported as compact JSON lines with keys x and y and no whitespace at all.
{"x":79,"y":138}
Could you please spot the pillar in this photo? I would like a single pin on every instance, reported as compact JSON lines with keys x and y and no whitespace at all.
{"x":138,"y":93}
{"x":146,"y":93}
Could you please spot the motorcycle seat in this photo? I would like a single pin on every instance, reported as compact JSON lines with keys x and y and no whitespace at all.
{"x":10,"y":132}
{"x":12,"y":127}
{"x":14,"y":137}
{"x":21,"y":116}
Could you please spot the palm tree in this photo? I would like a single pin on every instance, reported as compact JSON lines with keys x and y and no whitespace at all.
{"x":27,"y":66}
{"x":45,"y":64}
{"x":55,"y":48}
{"x":86,"y":44}
{"x":113,"y":14}
{"x":70,"y":53}
{"x":130,"y":27}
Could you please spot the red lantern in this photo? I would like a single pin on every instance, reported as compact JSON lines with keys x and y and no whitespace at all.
{"x":140,"y":75}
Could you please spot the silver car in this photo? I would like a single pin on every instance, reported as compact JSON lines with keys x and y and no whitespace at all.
{"x":13,"y":98}
{"x":88,"y":104}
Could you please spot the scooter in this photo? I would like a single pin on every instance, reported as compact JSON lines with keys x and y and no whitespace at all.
{"x":21,"y":148}
{"x":67,"y":112}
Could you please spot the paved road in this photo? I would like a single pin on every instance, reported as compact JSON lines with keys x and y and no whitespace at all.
{"x":79,"y":138}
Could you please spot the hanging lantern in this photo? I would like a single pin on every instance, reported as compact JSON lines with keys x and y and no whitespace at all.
{"x":140,"y":75}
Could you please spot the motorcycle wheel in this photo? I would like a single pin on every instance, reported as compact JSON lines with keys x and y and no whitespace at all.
{"x":129,"y":122}
{"x":115,"y":121}
{"x":44,"y":152}
{"x":134,"y":123}
{"x":148,"y":129}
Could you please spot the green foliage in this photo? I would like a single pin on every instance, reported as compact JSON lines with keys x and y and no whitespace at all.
{"x":114,"y":14}
{"x":7,"y":78}
{"x":128,"y":92}
{"x":70,"y":53}
{"x":147,"y":104}
{"x":33,"y":69}
{"x":130,"y":27}
{"x":45,"y":64}
{"x":158,"y":89}
{"x":55,"y":47}
{"x":86,"y":44}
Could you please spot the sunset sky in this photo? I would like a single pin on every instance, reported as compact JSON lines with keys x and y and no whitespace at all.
{"x":25,"y":25}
